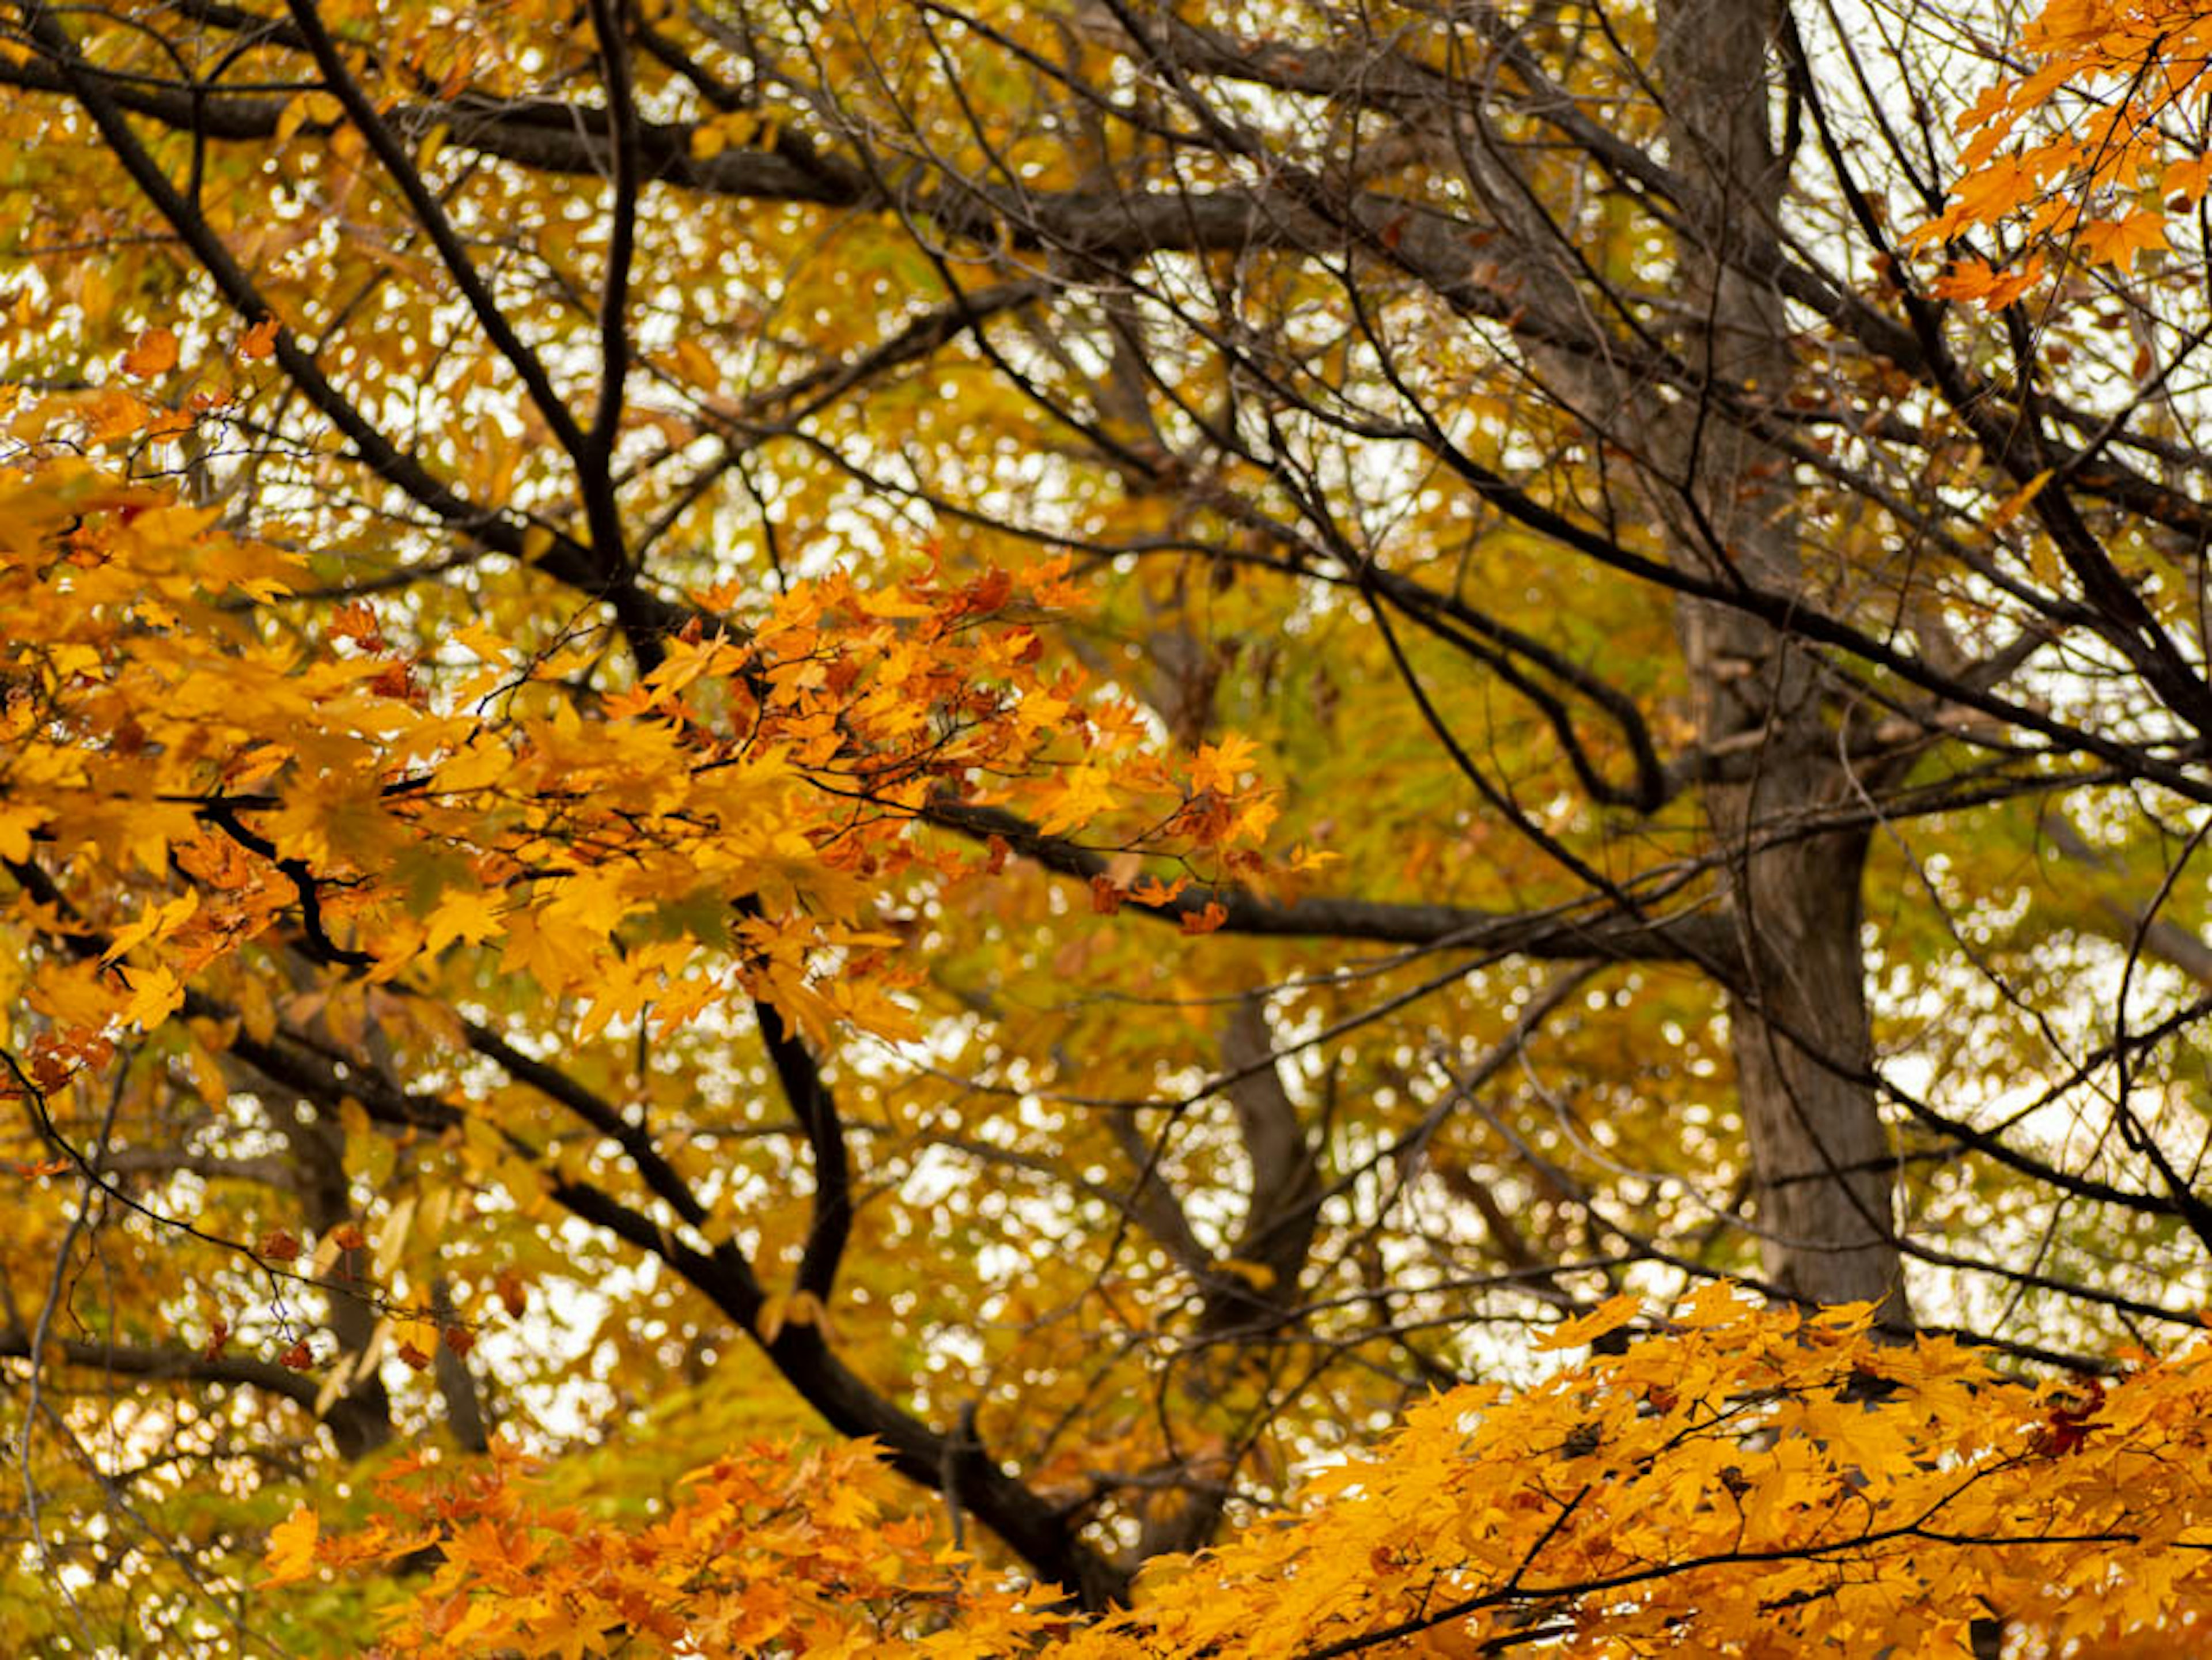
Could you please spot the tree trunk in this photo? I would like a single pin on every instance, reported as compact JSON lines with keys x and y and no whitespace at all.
{"x":1821,"y":1167}
{"x":1820,"y":1158}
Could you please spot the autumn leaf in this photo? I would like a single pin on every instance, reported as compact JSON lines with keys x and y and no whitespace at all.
{"x":463,"y":914}
{"x":156,"y":922}
{"x":2117,"y":242}
{"x":1609,"y":1316}
{"x":153,"y":353}
{"x":1258,"y":1275}
{"x":290,"y":1556}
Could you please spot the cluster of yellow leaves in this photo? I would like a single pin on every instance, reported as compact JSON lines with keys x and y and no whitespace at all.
{"x":2092,"y":171}
{"x":1743,"y":1480}
{"x":769,"y":1550}
{"x":187,"y":774}
{"x":1748,"y":1483}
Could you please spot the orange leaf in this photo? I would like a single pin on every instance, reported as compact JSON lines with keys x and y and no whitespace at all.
{"x":2110,"y":242}
{"x":153,"y":353}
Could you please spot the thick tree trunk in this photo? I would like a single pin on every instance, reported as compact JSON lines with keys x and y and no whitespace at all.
{"x":1820,"y":1158}
{"x":1798,"y":1012}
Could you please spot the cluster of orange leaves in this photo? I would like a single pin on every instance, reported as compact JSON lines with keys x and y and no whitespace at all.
{"x":732,"y":823}
{"x":770,"y":1549}
{"x":1743,"y":1480}
{"x":2118,"y":88}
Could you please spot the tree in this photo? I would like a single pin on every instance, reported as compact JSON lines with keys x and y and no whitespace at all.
{"x":1114,"y":730}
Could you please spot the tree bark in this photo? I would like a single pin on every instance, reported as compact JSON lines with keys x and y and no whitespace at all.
{"x":1822,"y":1169}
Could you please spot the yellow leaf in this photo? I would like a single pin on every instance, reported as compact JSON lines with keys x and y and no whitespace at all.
{"x":154,"y":996}
{"x":392,"y":1237}
{"x":1258,"y":1275}
{"x":17,"y":821}
{"x":155,"y":922}
{"x":462,"y":914}
{"x":696,"y":364}
{"x":1608,"y":1316}
{"x":291,"y":1553}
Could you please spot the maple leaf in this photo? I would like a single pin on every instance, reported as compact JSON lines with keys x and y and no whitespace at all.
{"x":1083,"y":792}
{"x":17,"y":822}
{"x":1154,"y":892}
{"x":153,"y":353}
{"x":2117,"y":242}
{"x":290,"y":1556}
{"x":1609,"y":1316}
{"x":155,"y":995}
{"x":468,"y":914}
{"x":155,"y":923}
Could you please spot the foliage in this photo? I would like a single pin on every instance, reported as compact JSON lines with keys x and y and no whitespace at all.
{"x":885,"y":824}
{"x":1739,"y":1482}
{"x":2109,"y":149}
{"x":736,"y":801}
{"x":767,"y":1550}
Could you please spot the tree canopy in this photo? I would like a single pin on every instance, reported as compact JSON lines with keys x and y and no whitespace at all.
{"x":1097,"y":827}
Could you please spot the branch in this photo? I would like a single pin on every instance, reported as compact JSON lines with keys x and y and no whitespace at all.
{"x":1701,"y":937}
{"x":106,"y":99}
{"x":830,"y":1226}
{"x":423,"y":203}
{"x":178,"y":1364}
{"x":1033,"y":1528}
